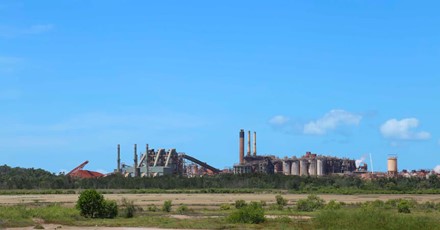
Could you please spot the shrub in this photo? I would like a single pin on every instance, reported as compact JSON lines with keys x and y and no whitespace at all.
{"x":182,"y":209}
{"x":240,"y":204}
{"x":166,"y":206}
{"x":91,"y":204}
{"x":312,"y":203}
{"x":129,"y":209}
{"x":225,"y":207}
{"x":152,"y":208}
{"x":109,"y":210}
{"x":248,"y":214}
{"x":403,"y":207}
{"x":281,"y":202}
{"x":333,"y":205}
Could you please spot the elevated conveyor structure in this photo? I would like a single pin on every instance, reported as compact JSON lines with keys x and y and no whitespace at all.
{"x":203,"y":164}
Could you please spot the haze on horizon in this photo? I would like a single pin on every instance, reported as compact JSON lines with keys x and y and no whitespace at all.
{"x":335,"y":78}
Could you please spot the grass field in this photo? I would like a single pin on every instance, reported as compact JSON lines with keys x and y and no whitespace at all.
{"x":206,"y":211}
{"x":202,"y":201}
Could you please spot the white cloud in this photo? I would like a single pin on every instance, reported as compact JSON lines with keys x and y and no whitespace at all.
{"x":331,"y":121}
{"x":279,"y":120}
{"x":403,"y":130}
{"x":437,"y":169}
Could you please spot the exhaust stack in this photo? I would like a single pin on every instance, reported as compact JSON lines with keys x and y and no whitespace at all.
{"x":255,"y":144}
{"x":249,"y":144}
{"x":135,"y":161}
{"x":241,"y":147}
{"x":119,"y":159}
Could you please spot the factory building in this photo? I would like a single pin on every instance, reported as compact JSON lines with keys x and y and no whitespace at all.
{"x":162,"y":162}
{"x":308,"y":165}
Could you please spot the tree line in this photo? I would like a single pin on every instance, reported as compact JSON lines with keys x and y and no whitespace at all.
{"x":21,"y":178}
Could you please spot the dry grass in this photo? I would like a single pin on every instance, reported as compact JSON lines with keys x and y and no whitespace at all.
{"x":199,"y":201}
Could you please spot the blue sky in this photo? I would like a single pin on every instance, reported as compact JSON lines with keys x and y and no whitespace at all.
{"x":341,"y":78}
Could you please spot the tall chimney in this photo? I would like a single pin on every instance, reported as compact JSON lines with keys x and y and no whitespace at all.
{"x":241,"y":149}
{"x":249,"y":144}
{"x":255,"y":144}
{"x":119,"y":159}
{"x":135,"y":161}
{"x":146,"y":161}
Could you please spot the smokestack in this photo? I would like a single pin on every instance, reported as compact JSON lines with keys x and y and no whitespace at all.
{"x":135,"y":161}
{"x":249,"y":144}
{"x":119,"y":159}
{"x":241,"y":148}
{"x":255,"y":144}
{"x":146,"y":161}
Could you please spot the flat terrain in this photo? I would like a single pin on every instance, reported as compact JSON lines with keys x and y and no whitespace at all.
{"x":201,"y":201}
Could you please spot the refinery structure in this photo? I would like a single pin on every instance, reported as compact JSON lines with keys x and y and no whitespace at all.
{"x":308,"y":165}
{"x":162,"y":162}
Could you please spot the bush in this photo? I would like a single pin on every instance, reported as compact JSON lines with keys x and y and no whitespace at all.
{"x":166,"y":206}
{"x":182,"y":209}
{"x":333,"y":205}
{"x":403,"y":207}
{"x":152,"y":208}
{"x":248,"y":214}
{"x":91,"y":204}
{"x":129,"y":209}
{"x":281,"y":202}
{"x":225,"y":207}
{"x":312,"y":203}
{"x":240,"y":204}
{"x":109,"y":210}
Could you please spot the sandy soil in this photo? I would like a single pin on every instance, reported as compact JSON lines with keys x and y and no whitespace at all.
{"x":199,"y":201}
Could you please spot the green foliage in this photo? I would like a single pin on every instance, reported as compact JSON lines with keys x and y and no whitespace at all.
{"x":361,"y":219}
{"x":312,"y":203}
{"x":110,"y":209}
{"x":91,"y":204}
{"x":333,"y":205}
{"x":225,"y":207}
{"x":152,"y":208}
{"x":20,"y":180}
{"x":167,"y":206}
{"x":240,"y":204}
{"x":248,"y":214}
{"x":281,"y":202}
{"x":403,"y":207}
{"x":182,"y":209}
{"x":128,"y":208}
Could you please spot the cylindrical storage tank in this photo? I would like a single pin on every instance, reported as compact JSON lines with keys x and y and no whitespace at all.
{"x":312,"y":167}
{"x":392,"y":166}
{"x":320,"y":167}
{"x":295,"y":168}
{"x":287,"y":167}
{"x":304,"y":168}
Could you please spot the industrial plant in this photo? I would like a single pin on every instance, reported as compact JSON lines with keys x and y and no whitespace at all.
{"x":161,"y":162}
{"x":308,"y":165}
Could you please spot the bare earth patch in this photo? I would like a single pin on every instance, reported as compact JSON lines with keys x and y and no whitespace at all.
{"x":201,"y":201}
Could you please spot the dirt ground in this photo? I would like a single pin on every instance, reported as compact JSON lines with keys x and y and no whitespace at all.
{"x":196,"y":201}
